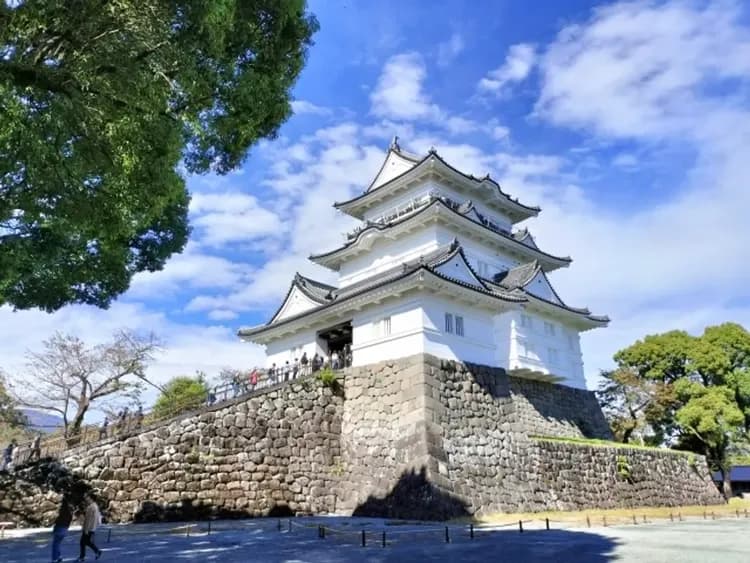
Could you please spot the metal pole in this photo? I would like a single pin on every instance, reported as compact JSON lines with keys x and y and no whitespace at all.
{"x":604,"y":519}
{"x":364,"y":539}
{"x":383,"y":538}
{"x":588,"y":521}
{"x":546,"y":521}
{"x":290,"y":525}
{"x":520,"y":526}
{"x":109,"y":535}
{"x":471,"y":531}
{"x":323,"y":532}
{"x":278,"y":525}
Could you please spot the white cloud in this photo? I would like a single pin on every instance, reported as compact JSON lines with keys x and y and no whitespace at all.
{"x":398,"y":93}
{"x":221,"y":218}
{"x":517,"y":65}
{"x":626,"y":160}
{"x":638,"y":69}
{"x":450,"y":49}
{"x":300,"y":107}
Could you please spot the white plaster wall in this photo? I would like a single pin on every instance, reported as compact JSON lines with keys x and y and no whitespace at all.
{"x":387,"y":253}
{"x":391,"y":204}
{"x":530,"y":347}
{"x":370,"y":345}
{"x":287,"y":349}
{"x":540,"y":287}
{"x":478,"y":344}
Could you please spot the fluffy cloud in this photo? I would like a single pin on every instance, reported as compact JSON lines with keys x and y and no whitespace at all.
{"x":303,"y":106}
{"x":399,"y":93}
{"x":221,"y":218}
{"x":450,"y":49}
{"x":516,"y":67}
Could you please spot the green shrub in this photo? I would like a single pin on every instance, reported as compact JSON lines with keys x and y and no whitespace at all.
{"x":179,"y":395}
{"x":623,"y":467}
{"x":327,"y":378}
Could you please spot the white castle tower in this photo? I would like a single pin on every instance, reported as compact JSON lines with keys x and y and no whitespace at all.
{"x":436,"y":267}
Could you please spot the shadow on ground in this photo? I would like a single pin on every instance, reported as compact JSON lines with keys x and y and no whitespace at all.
{"x":261,"y":540}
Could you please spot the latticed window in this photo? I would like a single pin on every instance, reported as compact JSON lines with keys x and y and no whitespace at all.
{"x":448,"y":323}
{"x":459,"y":326}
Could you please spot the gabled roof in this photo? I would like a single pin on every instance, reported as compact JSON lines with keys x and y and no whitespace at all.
{"x":429,"y":263}
{"x":435,"y":163}
{"x":465,"y":210}
{"x":518,"y":280}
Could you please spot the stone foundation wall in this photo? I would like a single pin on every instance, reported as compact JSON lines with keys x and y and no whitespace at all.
{"x":417,"y":437}
{"x":275,"y":452}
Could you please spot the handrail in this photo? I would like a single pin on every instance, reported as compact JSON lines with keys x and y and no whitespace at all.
{"x":52,"y":447}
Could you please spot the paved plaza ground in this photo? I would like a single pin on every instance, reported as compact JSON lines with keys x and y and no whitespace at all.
{"x":725,"y":541}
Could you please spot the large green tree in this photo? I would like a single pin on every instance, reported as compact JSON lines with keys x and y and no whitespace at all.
{"x":696,"y":390}
{"x":181,"y":394}
{"x":99,"y":103}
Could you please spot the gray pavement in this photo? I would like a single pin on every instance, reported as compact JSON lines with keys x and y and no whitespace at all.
{"x":724,"y":541}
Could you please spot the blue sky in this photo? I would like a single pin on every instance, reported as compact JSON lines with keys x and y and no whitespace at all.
{"x":627,"y":122}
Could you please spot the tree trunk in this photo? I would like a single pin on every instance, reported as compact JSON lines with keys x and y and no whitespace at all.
{"x":726,"y":482}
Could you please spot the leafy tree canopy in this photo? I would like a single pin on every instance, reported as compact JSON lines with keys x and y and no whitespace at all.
{"x":693,"y":391}
{"x":99,"y":102}
{"x":181,"y":394}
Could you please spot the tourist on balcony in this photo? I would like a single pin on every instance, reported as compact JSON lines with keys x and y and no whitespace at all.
{"x":303,"y":363}
{"x":123,"y":422}
{"x":287,"y":371}
{"x":272,"y":373}
{"x":236,"y":384}
{"x":36,"y":448}
{"x":295,"y":369}
{"x":8,"y":456}
{"x":335,"y":360}
{"x":253,"y":379}
{"x":103,"y":429}
{"x":316,"y":362}
{"x":60,"y":528}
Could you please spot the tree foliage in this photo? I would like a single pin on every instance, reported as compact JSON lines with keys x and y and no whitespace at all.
{"x":12,"y":421}
{"x":99,"y":102}
{"x":181,"y":394}
{"x":69,"y":378}
{"x":691,"y":392}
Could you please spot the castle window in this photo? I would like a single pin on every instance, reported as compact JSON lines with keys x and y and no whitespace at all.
{"x":553,"y":356}
{"x":448,"y":323}
{"x":381,"y":327}
{"x":459,"y":326}
{"x":549,"y":329}
{"x":571,"y":342}
{"x":526,"y":321}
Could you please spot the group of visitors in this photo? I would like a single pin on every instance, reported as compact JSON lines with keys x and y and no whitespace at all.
{"x":122,"y":422}
{"x":336,"y":359}
{"x":91,"y":517}
{"x":12,"y":453}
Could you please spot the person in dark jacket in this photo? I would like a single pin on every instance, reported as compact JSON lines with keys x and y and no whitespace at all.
{"x":60,"y":528}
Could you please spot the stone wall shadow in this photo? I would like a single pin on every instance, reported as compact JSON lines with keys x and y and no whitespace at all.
{"x":46,"y":474}
{"x":187,"y":510}
{"x":414,"y":497}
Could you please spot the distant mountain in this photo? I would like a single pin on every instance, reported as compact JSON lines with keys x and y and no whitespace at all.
{"x":42,"y":421}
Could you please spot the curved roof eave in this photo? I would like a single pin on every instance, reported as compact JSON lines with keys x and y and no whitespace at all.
{"x":249,"y":332}
{"x":528,"y":210}
{"x":376,"y":227}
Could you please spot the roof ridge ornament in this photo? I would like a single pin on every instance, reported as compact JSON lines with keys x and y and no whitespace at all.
{"x":432,"y":150}
{"x":394,"y":144}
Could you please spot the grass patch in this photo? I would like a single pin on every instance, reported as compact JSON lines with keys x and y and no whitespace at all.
{"x":614,"y":516}
{"x":606,"y":444}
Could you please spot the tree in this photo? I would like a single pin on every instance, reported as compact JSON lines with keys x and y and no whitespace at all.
{"x":69,"y":377}
{"x":12,"y":421}
{"x":633,"y":405}
{"x":181,"y":394}
{"x":100,"y":102}
{"x":701,"y":385}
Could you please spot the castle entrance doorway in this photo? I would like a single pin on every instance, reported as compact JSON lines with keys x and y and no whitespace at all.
{"x":337,"y":343}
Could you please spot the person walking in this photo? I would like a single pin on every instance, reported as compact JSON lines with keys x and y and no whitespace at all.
{"x":8,"y":456}
{"x":103,"y":430}
{"x":60,"y":528}
{"x":91,"y":520}
{"x":36,"y":448}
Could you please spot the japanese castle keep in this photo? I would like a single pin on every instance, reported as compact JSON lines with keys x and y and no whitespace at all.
{"x":437,"y":266}
{"x":465,"y":395}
